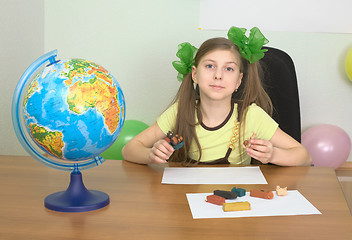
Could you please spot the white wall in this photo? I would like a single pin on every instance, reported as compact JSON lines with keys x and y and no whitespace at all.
{"x":137,"y":40}
{"x":21,"y":43}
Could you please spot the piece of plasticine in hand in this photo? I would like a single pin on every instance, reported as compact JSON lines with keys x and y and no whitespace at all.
{"x":174,"y":140}
{"x":247,"y":143}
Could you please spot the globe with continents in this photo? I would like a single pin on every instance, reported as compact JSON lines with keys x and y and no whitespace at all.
{"x":73,"y":110}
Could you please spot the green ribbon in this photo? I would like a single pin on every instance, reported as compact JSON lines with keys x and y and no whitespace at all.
{"x":186,"y":53}
{"x":249,"y":47}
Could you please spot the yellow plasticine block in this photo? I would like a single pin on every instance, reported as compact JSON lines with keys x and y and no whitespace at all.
{"x":236,"y":206}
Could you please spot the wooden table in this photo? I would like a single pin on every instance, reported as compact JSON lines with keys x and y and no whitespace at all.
{"x":143,"y":208}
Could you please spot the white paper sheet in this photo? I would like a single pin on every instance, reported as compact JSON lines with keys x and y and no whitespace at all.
{"x":294,"y":203}
{"x":213,"y":175}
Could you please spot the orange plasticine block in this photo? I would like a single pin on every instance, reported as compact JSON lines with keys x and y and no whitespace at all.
{"x":261,"y":194}
{"x":215,"y":199}
{"x":236,"y":206}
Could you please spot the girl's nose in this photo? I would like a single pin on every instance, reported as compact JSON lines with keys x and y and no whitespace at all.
{"x":218,"y":74}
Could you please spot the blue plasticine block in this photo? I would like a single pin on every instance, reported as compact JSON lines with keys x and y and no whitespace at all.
{"x":240,"y":191}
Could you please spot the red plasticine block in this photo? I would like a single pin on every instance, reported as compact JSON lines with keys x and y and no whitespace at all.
{"x":261,"y":194}
{"x":215,"y":200}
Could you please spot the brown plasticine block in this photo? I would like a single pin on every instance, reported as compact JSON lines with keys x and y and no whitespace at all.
{"x":236,"y":206}
{"x":215,"y":200}
{"x":261,"y":194}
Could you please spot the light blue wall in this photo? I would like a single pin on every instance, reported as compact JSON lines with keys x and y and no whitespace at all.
{"x":137,"y":41}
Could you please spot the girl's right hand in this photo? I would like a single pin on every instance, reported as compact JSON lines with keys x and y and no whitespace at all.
{"x":160,"y":152}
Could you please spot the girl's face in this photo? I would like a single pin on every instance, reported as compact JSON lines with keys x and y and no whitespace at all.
{"x":217,"y":75}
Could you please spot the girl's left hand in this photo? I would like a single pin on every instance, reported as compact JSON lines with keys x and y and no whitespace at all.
{"x":261,"y":149}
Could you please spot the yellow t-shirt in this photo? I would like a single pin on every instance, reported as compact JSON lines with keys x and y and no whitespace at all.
{"x":215,"y":141}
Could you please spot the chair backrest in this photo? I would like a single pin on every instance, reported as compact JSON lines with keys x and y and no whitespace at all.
{"x":280,"y":82}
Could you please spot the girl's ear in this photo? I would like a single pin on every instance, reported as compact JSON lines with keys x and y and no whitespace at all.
{"x":194,"y":74}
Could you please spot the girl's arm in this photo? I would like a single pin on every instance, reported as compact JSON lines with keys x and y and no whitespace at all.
{"x":148,"y":147}
{"x":282,"y":150}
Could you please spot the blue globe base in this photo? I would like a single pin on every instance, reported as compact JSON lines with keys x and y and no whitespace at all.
{"x":77,"y":198}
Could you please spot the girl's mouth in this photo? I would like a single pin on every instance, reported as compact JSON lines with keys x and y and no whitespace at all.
{"x":217,"y":87}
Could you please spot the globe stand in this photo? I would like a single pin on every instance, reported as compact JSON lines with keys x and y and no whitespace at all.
{"x":76,"y":198}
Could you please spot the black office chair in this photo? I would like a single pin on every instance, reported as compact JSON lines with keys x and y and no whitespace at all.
{"x":280,"y":82}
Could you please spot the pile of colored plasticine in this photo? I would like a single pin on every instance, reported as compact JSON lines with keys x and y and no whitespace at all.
{"x":219,"y":197}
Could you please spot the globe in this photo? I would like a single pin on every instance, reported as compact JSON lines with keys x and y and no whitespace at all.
{"x":65,"y":114}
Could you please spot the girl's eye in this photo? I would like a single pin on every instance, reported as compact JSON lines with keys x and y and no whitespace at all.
{"x":209,"y":66}
{"x":229,"y":69}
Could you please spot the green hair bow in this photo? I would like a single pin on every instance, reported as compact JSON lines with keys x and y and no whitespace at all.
{"x":249,"y":47}
{"x":186,"y":53}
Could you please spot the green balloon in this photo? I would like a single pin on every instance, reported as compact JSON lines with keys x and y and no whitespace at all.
{"x":130,"y":129}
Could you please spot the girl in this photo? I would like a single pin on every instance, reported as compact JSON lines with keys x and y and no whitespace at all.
{"x":220,"y":105}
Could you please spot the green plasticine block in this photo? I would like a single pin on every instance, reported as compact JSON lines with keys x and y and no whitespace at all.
{"x":240,"y":191}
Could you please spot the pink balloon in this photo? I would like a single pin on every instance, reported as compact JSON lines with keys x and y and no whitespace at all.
{"x":328,"y":145}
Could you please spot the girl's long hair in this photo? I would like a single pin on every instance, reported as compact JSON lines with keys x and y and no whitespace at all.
{"x":187,"y":98}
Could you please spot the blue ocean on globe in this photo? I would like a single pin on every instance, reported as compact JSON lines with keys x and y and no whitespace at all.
{"x":74,"y":109}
